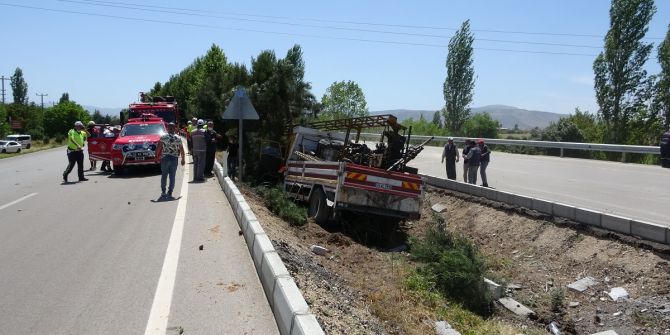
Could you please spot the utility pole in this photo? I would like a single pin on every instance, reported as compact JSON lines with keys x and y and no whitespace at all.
{"x":2,"y":78}
{"x":41,"y":95}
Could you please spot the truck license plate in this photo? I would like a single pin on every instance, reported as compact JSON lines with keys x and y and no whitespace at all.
{"x":383,"y":186}
{"x":144,"y":155}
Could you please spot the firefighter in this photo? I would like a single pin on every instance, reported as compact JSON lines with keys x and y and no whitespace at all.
{"x":90,"y":128}
{"x":199,"y":137}
{"x":76,"y":138}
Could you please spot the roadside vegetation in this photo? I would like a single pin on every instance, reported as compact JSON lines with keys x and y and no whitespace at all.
{"x":276,"y":200}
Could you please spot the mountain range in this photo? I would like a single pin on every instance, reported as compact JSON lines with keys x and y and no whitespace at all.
{"x":508,"y":116}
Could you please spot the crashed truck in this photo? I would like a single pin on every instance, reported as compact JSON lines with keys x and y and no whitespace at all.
{"x":337,"y":175}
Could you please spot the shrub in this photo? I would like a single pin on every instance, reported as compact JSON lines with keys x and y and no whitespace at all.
{"x":277,"y":202}
{"x":456,"y":266}
{"x":59,"y":138}
{"x":557,"y":299}
{"x":46,"y":140}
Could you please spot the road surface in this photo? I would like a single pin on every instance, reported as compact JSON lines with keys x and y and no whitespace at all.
{"x":632,"y":190}
{"x":87,"y":258}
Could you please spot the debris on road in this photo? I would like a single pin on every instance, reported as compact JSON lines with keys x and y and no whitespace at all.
{"x":573,"y":304}
{"x":444,"y":328}
{"x":319,"y":250}
{"x":439,"y":207}
{"x":583,"y":284}
{"x":516,"y":307}
{"x":617,"y":293}
{"x":607,"y":332}
{"x":201,"y":247}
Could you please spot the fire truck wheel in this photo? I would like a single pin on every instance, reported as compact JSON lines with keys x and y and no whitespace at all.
{"x":318,"y":209}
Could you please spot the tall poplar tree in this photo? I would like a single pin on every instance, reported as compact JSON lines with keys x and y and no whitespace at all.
{"x":460,"y":82}
{"x":19,"y":87}
{"x":662,"y":98}
{"x":620,"y":78}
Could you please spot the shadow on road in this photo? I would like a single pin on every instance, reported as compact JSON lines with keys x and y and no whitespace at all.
{"x":135,"y":172}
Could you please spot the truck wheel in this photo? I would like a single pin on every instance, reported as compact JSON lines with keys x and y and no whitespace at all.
{"x":18,"y":151}
{"x":318,"y":209}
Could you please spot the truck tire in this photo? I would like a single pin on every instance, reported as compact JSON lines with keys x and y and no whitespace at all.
{"x":318,"y":209}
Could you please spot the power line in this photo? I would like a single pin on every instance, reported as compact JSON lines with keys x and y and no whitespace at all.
{"x":284,"y":33}
{"x":135,"y":7}
{"x":355,"y":22}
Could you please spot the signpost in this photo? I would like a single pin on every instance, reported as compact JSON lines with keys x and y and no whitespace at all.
{"x":240,"y":108}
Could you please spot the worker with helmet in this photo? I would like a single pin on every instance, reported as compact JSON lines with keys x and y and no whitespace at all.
{"x":76,"y":138}
{"x":90,"y":127}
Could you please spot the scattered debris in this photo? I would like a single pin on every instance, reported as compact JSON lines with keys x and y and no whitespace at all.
{"x":439,"y":208}
{"x":516,"y":307}
{"x":319,"y":250}
{"x":553,"y":328}
{"x":444,"y":328}
{"x":240,"y":233}
{"x":583,"y":284}
{"x":617,"y":293}
{"x":514,"y":286}
{"x":616,"y":313}
{"x":178,"y":330}
{"x":201,"y":247}
{"x":573,"y":304}
{"x":607,"y":332}
{"x":496,"y":289}
{"x":128,"y":202}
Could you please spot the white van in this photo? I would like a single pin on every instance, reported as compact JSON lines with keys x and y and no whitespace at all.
{"x":25,"y":140}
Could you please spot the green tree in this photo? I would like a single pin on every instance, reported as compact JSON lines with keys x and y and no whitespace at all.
{"x":437,"y":119}
{"x":588,"y":124}
{"x":97,"y":117}
{"x":19,"y":87}
{"x":65,"y":97}
{"x":481,"y":125}
{"x":4,"y":122}
{"x":662,"y":90}
{"x":343,"y":99}
{"x":424,"y":127}
{"x":61,"y":118}
{"x":620,"y":77}
{"x":564,"y":130}
{"x":459,"y":85}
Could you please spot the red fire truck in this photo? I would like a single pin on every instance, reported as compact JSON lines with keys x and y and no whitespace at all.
{"x":135,"y":144}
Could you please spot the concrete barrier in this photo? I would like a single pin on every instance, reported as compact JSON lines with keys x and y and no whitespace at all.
{"x":649,"y":231}
{"x":590,"y":217}
{"x":615,"y":223}
{"x":288,"y":306}
{"x":646,"y":230}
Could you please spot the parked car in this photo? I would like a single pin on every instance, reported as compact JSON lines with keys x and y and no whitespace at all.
{"x":9,"y":146}
{"x":25,"y":140}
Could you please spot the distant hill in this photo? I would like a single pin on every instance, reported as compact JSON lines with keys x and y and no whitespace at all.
{"x":508,"y":116}
{"x":103,"y":110}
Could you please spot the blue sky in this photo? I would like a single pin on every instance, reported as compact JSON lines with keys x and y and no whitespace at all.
{"x":106,"y":61}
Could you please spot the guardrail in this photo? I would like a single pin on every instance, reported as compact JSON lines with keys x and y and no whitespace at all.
{"x":624,"y":149}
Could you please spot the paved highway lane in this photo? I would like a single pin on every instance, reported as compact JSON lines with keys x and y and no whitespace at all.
{"x":85,"y":258}
{"x":631,"y":190}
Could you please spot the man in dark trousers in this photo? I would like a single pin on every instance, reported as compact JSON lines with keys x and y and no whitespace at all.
{"x":76,"y":138}
{"x":665,"y":149}
{"x":450,"y":152}
{"x":474,"y":159}
{"x":484,"y":161}
{"x":211,"y":148}
{"x":199,"y":138}
{"x":466,"y":149}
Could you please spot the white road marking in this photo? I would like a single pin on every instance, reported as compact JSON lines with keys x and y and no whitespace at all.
{"x":17,"y":200}
{"x":160,"y":309}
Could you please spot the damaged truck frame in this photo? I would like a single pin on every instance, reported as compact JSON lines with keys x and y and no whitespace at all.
{"x":337,"y":175}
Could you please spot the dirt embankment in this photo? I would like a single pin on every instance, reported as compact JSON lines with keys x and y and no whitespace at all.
{"x":344,"y":288}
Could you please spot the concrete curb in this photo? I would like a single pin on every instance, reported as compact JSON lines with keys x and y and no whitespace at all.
{"x":288,"y":305}
{"x":645,"y":230}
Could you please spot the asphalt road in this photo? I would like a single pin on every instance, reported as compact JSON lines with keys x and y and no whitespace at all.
{"x":632,"y":190}
{"x":86,"y":258}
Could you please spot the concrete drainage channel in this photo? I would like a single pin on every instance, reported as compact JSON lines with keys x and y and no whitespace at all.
{"x":288,"y":305}
{"x":645,"y":230}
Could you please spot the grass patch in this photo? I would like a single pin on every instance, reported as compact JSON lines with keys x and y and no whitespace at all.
{"x":455,"y":266}
{"x":35,"y":147}
{"x":276,"y":201}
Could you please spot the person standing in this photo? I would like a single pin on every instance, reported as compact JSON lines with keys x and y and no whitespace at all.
{"x":199,"y":138}
{"x":665,"y":149}
{"x":484,"y":161}
{"x":169,"y":149}
{"x":211,"y":148}
{"x":466,"y":149}
{"x":450,"y":153}
{"x":76,"y":138}
{"x":233,"y":159}
{"x":189,"y":129}
{"x":92,"y":132}
{"x":474,"y":160}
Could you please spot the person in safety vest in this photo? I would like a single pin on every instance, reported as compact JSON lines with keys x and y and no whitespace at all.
{"x":76,"y":138}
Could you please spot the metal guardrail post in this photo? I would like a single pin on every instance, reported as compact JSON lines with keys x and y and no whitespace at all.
{"x":561,"y":152}
{"x":623,"y":157}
